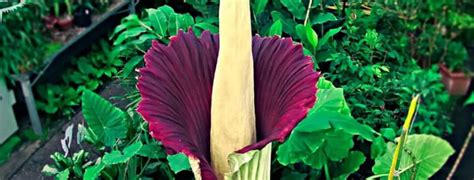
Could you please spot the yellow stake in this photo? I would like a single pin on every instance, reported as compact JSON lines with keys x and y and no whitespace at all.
{"x":404,"y":135}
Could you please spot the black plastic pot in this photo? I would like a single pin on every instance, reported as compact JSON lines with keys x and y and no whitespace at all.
{"x":83,"y":16}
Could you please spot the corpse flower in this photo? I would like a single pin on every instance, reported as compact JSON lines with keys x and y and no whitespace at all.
{"x":210,"y":96}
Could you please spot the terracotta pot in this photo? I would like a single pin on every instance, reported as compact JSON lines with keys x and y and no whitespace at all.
{"x":65,"y":22}
{"x":457,"y":83}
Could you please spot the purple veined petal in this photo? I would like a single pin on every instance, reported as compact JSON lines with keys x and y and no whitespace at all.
{"x":285,"y":88}
{"x":176,"y":85}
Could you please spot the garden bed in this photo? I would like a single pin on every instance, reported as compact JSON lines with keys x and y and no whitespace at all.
{"x":79,"y":39}
{"x":29,"y":159}
{"x":380,"y":110}
{"x":64,"y":36}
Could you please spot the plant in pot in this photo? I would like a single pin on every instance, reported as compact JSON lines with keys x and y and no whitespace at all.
{"x":454,"y":56}
{"x":453,"y":71}
{"x":64,"y":22}
{"x":82,"y":15}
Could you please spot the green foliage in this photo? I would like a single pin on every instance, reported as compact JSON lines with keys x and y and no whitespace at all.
{"x":431,"y":38}
{"x":7,"y":147}
{"x":322,"y":18}
{"x":94,"y":171}
{"x":276,"y":28}
{"x":87,"y":72}
{"x":386,"y":76}
{"x":421,"y":157}
{"x":121,"y":141}
{"x":379,"y":58}
{"x":23,"y":42}
{"x":105,"y":120}
{"x":296,"y":8}
{"x":64,"y":166}
{"x":134,"y":35}
{"x":178,"y":162}
{"x":376,"y":56}
{"x":258,"y":6}
{"x":350,"y":165}
{"x":324,"y":138}
{"x":116,"y":157}
{"x":63,"y":175}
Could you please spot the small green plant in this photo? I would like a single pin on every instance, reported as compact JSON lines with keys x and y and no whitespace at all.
{"x":122,"y":142}
{"x":67,"y":166}
{"x":88,"y":72}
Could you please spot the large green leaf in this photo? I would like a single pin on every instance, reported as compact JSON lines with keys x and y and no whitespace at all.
{"x":116,"y":157}
{"x":421,"y":157}
{"x":326,"y":133}
{"x":251,"y":165}
{"x":335,"y":146}
{"x":103,"y":118}
{"x":159,"y":21}
{"x":348,"y":166}
{"x":296,"y":7}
